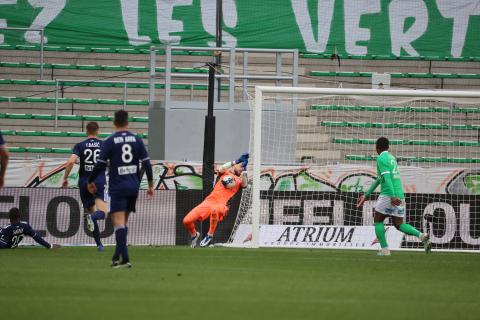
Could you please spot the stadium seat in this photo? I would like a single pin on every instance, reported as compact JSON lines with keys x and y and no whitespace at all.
{"x":394,"y":109}
{"x":97,"y":67}
{"x":105,"y":84}
{"x":66,"y":117}
{"x":399,"y":125}
{"x":398,"y":75}
{"x":57,"y":133}
{"x":388,"y":57}
{"x":415,"y":159}
{"x":100,"y":50}
{"x":73,"y":100}
{"x":410,"y":142}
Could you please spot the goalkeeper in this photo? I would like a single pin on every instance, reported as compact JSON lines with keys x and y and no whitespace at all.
{"x":391,"y":202}
{"x":232,"y":176}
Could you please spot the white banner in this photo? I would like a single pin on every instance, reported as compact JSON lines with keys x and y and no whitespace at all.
{"x":57,"y":215}
{"x":318,"y":236}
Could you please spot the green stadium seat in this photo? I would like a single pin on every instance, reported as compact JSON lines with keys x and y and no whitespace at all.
{"x":415,"y":159}
{"x":397,"y":75}
{"x":68,"y":117}
{"x":28,"y":133}
{"x":409,"y":142}
{"x":18,"y":116}
{"x":394,"y":109}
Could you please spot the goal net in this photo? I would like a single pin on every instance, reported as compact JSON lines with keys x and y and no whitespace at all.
{"x":313,"y":153}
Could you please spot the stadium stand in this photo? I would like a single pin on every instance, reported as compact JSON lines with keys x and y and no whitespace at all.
{"x":93,"y":83}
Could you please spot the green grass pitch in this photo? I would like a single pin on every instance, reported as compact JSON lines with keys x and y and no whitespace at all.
{"x":225,"y":283}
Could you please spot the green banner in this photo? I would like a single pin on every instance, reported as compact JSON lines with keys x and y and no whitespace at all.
{"x":441,"y":28}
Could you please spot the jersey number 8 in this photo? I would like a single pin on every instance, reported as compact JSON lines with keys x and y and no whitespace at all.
{"x":127,"y":155}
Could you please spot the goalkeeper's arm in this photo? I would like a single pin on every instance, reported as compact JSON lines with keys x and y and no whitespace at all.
{"x":224,"y":167}
{"x":244,"y":178}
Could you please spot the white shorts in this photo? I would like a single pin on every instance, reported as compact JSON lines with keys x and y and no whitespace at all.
{"x":384,"y":206}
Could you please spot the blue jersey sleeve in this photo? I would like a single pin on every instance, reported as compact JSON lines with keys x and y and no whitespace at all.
{"x":76,"y":150}
{"x":2,"y":142}
{"x":145,"y":159}
{"x":4,"y":239}
{"x":28,"y":230}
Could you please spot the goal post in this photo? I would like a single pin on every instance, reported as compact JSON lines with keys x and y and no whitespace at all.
{"x":434,"y":134}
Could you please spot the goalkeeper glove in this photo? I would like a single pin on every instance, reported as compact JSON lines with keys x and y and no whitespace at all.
{"x":243,"y":159}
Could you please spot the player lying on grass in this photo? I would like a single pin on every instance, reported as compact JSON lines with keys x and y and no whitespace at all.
{"x":232,"y":176}
{"x":93,"y":204}
{"x":12,"y":234}
{"x":391,"y":202}
{"x":3,"y":161}
{"x":124,"y":152}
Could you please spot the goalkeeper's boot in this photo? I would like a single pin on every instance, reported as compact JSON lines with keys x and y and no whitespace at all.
{"x":194,"y":240}
{"x":89,"y":222}
{"x":427,"y":243}
{"x":383,"y":252}
{"x":100,"y":248}
{"x":206,"y":241}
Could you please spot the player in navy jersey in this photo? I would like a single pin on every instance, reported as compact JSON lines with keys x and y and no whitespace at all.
{"x":124,"y":152}
{"x":3,"y":160}
{"x":12,"y":234}
{"x":94,"y":204}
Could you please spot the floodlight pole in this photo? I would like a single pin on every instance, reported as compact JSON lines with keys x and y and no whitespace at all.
{"x":209,"y":135}
{"x":218,"y":39}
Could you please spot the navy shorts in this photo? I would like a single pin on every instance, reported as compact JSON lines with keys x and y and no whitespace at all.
{"x":88,"y":199}
{"x":123,"y":203}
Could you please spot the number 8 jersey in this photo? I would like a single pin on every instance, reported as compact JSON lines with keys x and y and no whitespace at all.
{"x":124,"y":151}
{"x":88,"y":152}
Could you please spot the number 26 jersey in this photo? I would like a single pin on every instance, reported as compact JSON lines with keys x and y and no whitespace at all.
{"x":88,"y":152}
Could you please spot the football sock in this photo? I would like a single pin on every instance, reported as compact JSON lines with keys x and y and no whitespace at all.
{"x":97,"y":215}
{"x":408,"y":229}
{"x":126,"y":258}
{"x":380,"y":233}
{"x":121,"y":240}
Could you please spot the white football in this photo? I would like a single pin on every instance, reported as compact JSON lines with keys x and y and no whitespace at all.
{"x":228,"y":182}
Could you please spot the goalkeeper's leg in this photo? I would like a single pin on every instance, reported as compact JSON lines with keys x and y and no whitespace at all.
{"x":199,"y":213}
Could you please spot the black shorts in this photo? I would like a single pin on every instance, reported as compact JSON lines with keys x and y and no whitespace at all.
{"x":88,"y":199}
{"x":126,"y":204}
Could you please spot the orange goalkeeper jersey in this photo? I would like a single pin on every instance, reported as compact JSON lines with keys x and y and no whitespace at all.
{"x":226,"y":187}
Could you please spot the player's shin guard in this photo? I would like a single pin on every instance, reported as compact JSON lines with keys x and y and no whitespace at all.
{"x":121,"y":247}
{"x":380,"y":233}
{"x":97,"y":215}
{"x":410,"y":230}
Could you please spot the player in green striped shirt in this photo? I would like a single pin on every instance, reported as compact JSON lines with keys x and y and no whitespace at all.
{"x":391,"y":201}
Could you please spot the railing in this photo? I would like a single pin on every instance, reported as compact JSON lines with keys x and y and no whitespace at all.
{"x":232,"y":76}
{"x":42,"y":44}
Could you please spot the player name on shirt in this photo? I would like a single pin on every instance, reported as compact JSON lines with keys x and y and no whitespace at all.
{"x":95,"y":144}
{"x":124,"y":139}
